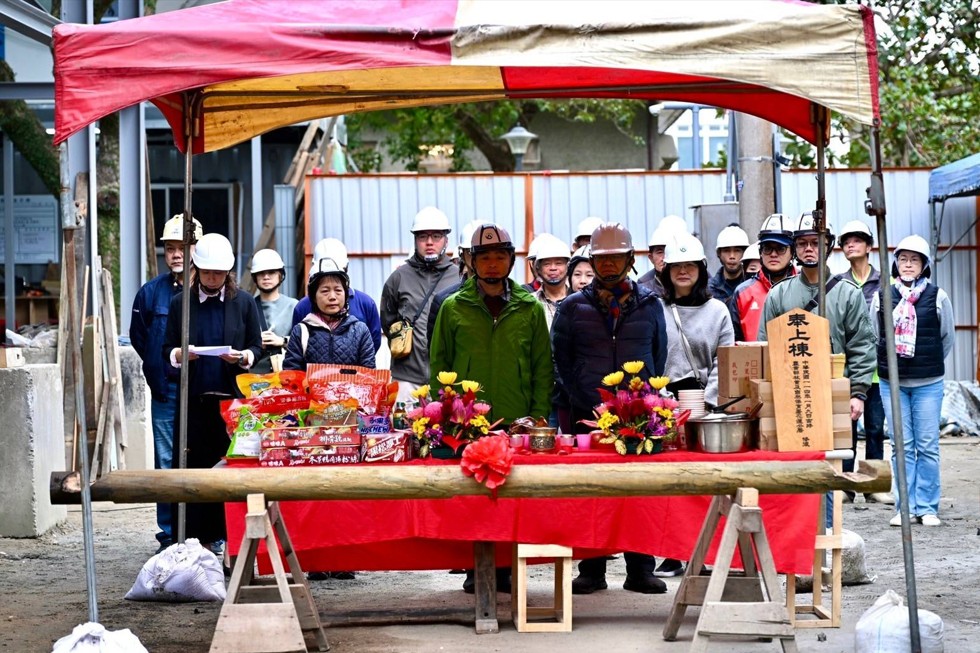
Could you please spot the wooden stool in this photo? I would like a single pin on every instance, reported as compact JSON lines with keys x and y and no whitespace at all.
{"x":267,"y":615}
{"x":746,"y":606}
{"x":561,"y":610}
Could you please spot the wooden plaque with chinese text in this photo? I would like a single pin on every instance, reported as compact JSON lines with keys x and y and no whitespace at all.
{"x":799,"y":353}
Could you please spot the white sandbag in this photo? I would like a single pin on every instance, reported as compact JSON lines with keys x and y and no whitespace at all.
{"x":884,"y":628}
{"x":180,"y":573}
{"x":92,"y":637}
{"x":853,"y":569}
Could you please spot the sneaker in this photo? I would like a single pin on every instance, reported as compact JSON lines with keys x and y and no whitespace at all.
{"x":669,"y":568}
{"x":645,"y":584}
{"x":880,"y":497}
{"x":896,"y":520}
{"x":588,"y":584}
{"x":317,"y":575}
{"x":930,"y":520}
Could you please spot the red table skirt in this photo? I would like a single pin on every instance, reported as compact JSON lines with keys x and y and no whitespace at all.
{"x":438,"y":533}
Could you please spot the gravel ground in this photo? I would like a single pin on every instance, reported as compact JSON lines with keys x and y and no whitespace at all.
{"x":42,"y":589}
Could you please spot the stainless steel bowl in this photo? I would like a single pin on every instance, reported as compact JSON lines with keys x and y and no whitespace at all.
{"x":723,"y":435}
{"x":541,"y":438}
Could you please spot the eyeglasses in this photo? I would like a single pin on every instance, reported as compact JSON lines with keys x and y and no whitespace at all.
{"x":908,"y":260}
{"x":773,"y":248}
{"x":808,"y":244}
{"x":429,"y":235}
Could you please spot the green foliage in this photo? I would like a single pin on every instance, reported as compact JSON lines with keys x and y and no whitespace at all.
{"x":929,"y":60}
{"x":408,"y":133}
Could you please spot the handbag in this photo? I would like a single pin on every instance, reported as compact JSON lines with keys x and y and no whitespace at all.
{"x":687,"y":348}
{"x":400,"y":334}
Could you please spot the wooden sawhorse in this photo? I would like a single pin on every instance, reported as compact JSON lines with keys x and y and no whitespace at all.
{"x":747,"y":606}
{"x":267,"y":615}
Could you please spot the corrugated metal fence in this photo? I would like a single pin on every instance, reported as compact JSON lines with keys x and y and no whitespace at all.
{"x":372,"y":215}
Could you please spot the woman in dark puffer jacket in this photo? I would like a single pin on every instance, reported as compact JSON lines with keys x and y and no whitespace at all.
{"x":329,"y":334}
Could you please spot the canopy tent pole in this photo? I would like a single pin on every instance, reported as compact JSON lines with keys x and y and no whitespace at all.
{"x":875,"y":206}
{"x":70,"y":227}
{"x":192,"y":105}
{"x":821,"y":124}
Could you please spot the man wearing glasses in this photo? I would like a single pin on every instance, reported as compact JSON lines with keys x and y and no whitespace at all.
{"x":775,"y":246}
{"x":407,"y":297}
{"x":851,"y":332}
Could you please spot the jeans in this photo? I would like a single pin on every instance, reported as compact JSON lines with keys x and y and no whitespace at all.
{"x":921,"y":408}
{"x":162,"y":415}
{"x":874,"y":425}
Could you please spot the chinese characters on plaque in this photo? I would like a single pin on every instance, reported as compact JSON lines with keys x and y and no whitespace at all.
{"x":799,"y":352}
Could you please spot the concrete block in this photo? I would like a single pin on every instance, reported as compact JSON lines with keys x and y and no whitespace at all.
{"x":31,"y":448}
{"x":136,"y":396}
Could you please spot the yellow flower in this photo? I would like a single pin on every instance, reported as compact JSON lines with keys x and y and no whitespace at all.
{"x":665,"y":413}
{"x":659,"y":382}
{"x":470,"y":385}
{"x":418,"y":426}
{"x":447,"y":378}
{"x":421,"y":391}
{"x":633,"y":367}
{"x":612,"y":379}
{"x":607,"y":421}
{"x":480,"y":422}
{"x":636,"y":383}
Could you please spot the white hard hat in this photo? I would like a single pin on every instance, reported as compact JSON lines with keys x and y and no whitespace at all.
{"x":173,"y":229}
{"x":611,"y":238}
{"x":684,"y":248}
{"x":265,"y":260}
{"x":856,"y":228}
{"x":537,"y":242}
{"x":918,"y":245}
{"x":777,"y":228}
{"x":331,"y":248}
{"x":466,"y":233}
{"x":213,"y":252}
{"x":752,"y":253}
{"x":430,"y":219}
{"x":669,"y":227}
{"x":587,"y":226}
{"x":806,"y":227}
{"x":552,"y":247}
{"x":732,"y":236}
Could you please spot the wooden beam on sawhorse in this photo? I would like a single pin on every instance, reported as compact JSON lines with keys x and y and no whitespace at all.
{"x":747,"y":606}
{"x":267,"y":615}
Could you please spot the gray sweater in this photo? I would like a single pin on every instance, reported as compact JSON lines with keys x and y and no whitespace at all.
{"x":707,"y":327}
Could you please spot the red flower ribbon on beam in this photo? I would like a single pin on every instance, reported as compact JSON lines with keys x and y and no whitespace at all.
{"x":488,"y":461}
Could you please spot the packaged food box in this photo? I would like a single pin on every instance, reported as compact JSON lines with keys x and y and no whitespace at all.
{"x":309,"y":456}
{"x":371,"y":424}
{"x":393,"y":447}
{"x":738,"y":363}
{"x":310,"y":436}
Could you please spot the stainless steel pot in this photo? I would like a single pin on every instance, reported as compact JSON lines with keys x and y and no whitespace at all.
{"x":723,"y":434}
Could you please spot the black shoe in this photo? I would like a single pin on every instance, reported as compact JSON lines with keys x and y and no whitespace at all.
{"x":163,"y":546}
{"x":469,"y":583}
{"x":645,"y":584}
{"x":317,"y":575}
{"x":669,"y":568}
{"x":503,"y":583}
{"x":587,"y":584}
{"x":342,"y":575}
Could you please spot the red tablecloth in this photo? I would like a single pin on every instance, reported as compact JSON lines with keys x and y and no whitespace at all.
{"x":438,"y":533}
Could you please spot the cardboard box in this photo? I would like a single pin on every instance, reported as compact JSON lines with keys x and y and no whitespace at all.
{"x":841,"y":426}
{"x":738,"y":362}
{"x":11,"y":357}
{"x":760,"y":391}
{"x":310,"y":456}
{"x":309,"y":436}
{"x":842,"y":430}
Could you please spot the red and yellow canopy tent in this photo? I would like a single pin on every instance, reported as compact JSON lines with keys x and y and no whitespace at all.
{"x":226,"y":72}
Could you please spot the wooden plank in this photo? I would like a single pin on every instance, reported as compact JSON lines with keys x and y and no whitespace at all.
{"x":745,"y":620}
{"x":257,"y":628}
{"x":110,"y":339}
{"x":799,"y":351}
{"x":485,"y":592}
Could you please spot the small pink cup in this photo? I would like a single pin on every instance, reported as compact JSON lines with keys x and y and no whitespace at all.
{"x":517,"y":441}
{"x":584,"y":441}
{"x":527,"y":440}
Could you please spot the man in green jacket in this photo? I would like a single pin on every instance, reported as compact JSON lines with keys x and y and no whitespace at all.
{"x":851,"y":331}
{"x":495,"y":333}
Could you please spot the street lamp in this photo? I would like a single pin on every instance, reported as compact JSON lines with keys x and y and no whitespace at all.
{"x":518,"y":140}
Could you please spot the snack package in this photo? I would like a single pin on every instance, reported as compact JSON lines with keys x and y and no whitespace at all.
{"x":341,"y":413}
{"x":310,"y":436}
{"x":244,"y":444}
{"x":309,"y":456}
{"x":370,"y":424}
{"x":332,"y":384}
{"x":387,"y":448}
{"x":274,"y":383}
{"x":265,"y":412}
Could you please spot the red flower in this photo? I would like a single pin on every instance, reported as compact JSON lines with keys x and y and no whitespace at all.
{"x":488,"y":460}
